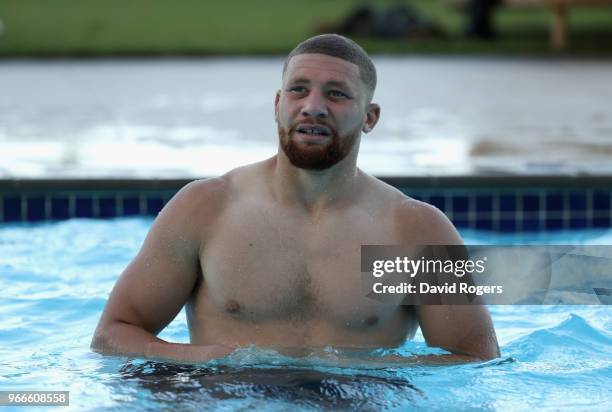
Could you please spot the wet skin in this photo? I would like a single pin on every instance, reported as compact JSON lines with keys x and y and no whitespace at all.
{"x":274,"y":274}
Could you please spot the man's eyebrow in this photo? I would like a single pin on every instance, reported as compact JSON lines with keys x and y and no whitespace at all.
{"x":299,"y":80}
{"x":337,"y":83}
{"x":333,"y":83}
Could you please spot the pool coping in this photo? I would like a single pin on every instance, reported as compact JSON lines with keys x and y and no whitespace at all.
{"x":421,"y":182}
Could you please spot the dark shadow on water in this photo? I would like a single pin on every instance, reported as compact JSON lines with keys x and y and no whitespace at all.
{"x":496,"y":362}
{"x":308,"y":387}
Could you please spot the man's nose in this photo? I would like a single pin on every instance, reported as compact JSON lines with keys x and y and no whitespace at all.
{"x":315,"y":106}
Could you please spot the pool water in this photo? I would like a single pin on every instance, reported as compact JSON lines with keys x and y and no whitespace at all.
{"x":56,"y":278}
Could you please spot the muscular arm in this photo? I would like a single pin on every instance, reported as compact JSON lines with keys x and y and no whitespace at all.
{"x":464,"y":330}
{"x":460,"y":329}
{"x":158,"y":282}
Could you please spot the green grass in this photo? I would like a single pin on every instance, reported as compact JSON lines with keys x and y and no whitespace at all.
{"x":199,"y":27}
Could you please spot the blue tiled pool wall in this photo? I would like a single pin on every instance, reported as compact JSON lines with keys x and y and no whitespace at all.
{"x":522,"y":210}
{"x":502,"y":210}
{"x":34,"y":207}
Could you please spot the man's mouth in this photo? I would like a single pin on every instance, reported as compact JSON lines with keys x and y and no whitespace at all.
{"x":313,"y":132}
{"x":313,"y":129}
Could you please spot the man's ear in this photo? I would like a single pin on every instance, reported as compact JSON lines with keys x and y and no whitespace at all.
{"x":372,"y":116}
{"x":276,"y":100}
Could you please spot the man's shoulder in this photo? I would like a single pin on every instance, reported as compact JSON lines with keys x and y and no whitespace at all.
{"x":212,"y":194}
{"x":203,"y":191}
{"x":417,"y":221}
{"x":392,"y":197}
{"x":380,"y":190}
{"x":427,"y":224}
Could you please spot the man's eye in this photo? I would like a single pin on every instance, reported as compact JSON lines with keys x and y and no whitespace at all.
{"x":298,"y":89}
{"x":337,"y":93}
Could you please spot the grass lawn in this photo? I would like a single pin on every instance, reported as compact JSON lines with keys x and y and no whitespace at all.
{"x":201,"y":27}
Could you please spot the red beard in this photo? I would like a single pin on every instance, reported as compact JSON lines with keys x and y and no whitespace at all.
{"x":316,"y":157}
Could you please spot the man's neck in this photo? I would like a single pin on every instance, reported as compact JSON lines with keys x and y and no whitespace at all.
{"x":315,"y":190}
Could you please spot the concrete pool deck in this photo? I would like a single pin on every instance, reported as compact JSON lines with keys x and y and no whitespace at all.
{"x":187,"y":118}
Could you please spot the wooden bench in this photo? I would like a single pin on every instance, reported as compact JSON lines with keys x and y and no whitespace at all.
{"x":558,"y":30}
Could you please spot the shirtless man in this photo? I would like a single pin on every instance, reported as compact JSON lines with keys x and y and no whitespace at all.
{"x":269,"y":254}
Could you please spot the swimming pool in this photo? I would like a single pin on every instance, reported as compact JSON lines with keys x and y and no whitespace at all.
{"x":57,"y":276}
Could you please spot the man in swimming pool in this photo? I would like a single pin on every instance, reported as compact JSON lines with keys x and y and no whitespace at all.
{"x":269,"y":254}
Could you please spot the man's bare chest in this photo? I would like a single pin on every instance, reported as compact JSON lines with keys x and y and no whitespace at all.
{"x":272,"y":266}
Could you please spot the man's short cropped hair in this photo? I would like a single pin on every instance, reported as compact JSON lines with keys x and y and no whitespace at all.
{"x":344,"y":48}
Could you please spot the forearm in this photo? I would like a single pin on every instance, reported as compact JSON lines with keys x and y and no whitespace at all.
{"x":120,"y":338}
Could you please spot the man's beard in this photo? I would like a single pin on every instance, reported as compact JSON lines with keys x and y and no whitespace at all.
{"x":316,"y":156}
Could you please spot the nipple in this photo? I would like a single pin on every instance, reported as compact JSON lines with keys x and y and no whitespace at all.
{"x":372,"y":320}
{"x":232,"y":306}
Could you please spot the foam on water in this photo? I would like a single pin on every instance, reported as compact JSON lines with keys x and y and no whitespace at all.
{"x":56,"y":278}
